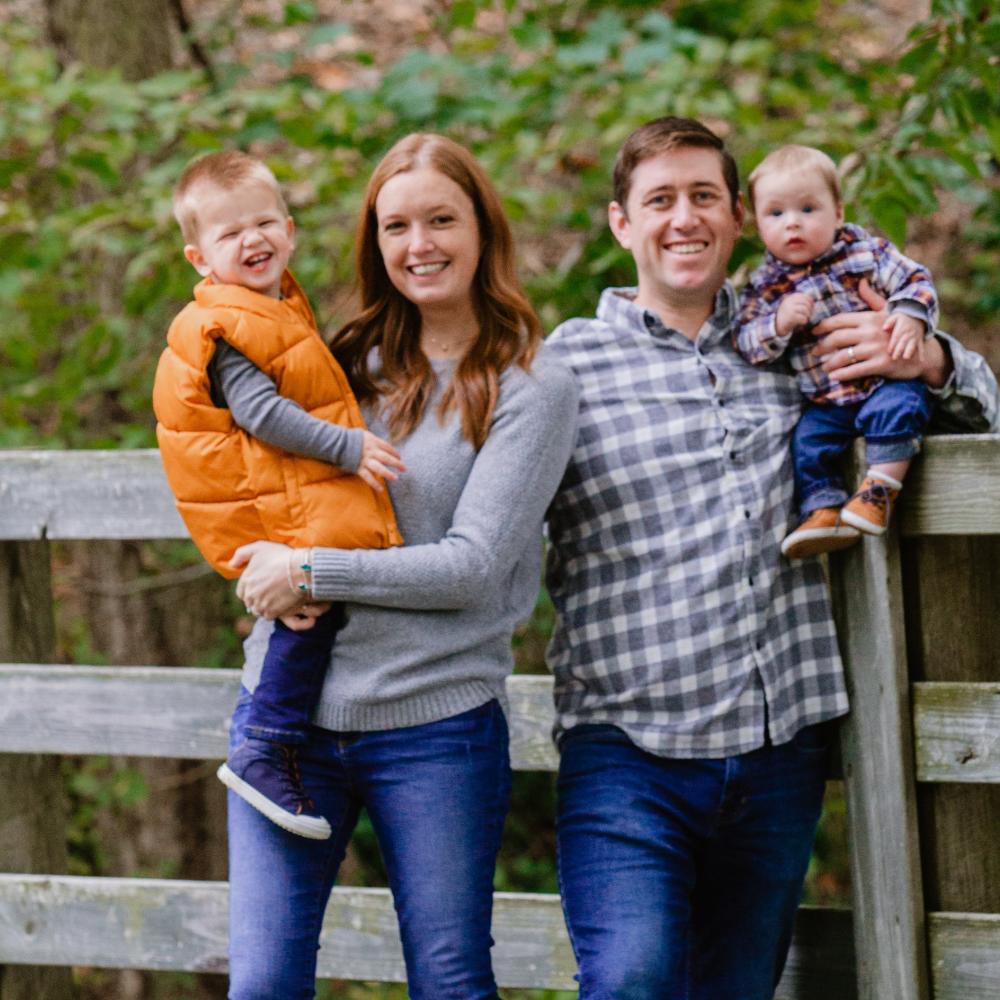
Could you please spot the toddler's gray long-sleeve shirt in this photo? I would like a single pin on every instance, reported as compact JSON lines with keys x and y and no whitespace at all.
{"x":251,"y":397}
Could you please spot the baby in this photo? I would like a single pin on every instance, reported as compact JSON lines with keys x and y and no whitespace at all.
{"x":261,"y":438}
{"x":814,"y":265}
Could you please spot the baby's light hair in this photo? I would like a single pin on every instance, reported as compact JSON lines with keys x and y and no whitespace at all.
{"x":226,"y":170}
{"x":797,"y":158}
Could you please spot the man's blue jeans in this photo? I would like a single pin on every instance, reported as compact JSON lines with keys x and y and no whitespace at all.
{"x":437,"y":796}
{"x":891,"y":420}
{"x":680,"y":878}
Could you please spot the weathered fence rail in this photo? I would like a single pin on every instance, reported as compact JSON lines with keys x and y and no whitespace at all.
{"x":908,"y":726}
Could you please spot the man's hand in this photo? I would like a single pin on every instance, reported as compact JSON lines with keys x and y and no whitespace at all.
{"x":856,"y":345}
{"x":378,"y":461}
{"x":794,"y":311}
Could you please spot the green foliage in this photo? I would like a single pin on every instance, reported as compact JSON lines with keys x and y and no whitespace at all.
{"x":90,"y":264}
{"x":95,"y":785}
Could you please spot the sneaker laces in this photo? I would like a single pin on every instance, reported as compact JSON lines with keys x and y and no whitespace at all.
{"x":303,"y":803}
{"x":878,"y":495}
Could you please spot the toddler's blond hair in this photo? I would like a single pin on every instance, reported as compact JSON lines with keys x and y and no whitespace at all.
{"x":226,"y":170}
{"x":797,"y":158}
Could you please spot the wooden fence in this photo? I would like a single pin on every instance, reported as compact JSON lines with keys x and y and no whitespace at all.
{"x":919,"y":619}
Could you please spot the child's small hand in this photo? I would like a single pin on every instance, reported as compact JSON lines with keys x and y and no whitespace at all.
{"x":905,"y":334}
{"x":794,"y":311}
{"x":378,"y":460}
{"x":304,"y":617}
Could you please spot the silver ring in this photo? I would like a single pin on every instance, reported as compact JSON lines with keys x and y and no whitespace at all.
{"x":852,"y":355}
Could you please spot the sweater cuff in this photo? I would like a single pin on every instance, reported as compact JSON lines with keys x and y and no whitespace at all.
{"x":351,"y":456}
{"x":331,"y":574}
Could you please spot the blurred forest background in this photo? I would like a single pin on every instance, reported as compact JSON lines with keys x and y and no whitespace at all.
{"x":102,"y":102}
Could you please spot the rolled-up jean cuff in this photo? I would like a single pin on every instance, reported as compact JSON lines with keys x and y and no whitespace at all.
{"x":825,"y":496}
{"x":879,"y":452}
{"x":286,"y":736}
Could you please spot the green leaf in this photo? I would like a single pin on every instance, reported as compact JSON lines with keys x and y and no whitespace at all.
{"x":920,"y":57}
{"x":463,"y":13}
{"x":892,"y":216}
{"x":325,"y":33}
{"x":300,"y":12}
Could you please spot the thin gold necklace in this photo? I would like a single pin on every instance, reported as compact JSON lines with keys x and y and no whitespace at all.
{"x":446,"y":348}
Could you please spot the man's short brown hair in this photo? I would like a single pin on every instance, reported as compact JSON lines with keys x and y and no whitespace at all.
{"x":225,"y":170}
{"x":662,"y":135}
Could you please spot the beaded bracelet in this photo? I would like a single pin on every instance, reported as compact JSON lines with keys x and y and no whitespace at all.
{"x":303,"y":588}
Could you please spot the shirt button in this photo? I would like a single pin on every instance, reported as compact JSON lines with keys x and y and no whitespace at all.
{"x":747,"y":513}
{"x":750,"y":580}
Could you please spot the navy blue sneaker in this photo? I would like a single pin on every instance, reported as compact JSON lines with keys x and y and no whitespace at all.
{"x":266,"y":775}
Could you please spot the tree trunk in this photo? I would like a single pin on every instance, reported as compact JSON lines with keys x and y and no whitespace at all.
{"x":131,"y":35}
{"x":33,"y":819}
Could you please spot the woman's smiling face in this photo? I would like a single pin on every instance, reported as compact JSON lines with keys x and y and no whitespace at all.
{"x":429,"y":238}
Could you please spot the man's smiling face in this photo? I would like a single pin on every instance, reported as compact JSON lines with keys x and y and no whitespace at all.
{"x":680,"y":225}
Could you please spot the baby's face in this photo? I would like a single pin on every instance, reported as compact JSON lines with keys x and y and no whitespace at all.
{"x":245,"y":237}
{"x":796,"y":213}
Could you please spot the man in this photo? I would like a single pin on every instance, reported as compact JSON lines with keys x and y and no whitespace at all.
{"x":697,"y":671}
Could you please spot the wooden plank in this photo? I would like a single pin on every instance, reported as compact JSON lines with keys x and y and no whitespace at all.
{"x":173,"y":924}
{"x":954,"y":488}
{"x":181,"y":925}
{"x":32,"y":824}
{"x":879,"y":783}
{"x":184,"y":711}
{"x":965,"y":955}
{"x":957,"y":727}
{"x":86,"y":494}
{"x":532,"y":714}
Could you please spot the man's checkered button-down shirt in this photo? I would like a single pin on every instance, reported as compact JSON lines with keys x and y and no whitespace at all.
{"x":677,"y":618}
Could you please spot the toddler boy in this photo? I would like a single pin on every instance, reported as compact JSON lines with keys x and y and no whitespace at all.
{"x":260,"y":435}
{"x":813,"y":268}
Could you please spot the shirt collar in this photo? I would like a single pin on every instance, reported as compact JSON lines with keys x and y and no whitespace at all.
{"x":617,"y":308}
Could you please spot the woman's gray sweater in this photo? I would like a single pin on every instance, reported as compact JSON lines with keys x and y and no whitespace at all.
{"x":429,"y":623}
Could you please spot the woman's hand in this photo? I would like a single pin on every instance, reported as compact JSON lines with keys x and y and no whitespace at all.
{"x":264,"y":587}
{"x":856,"y":345}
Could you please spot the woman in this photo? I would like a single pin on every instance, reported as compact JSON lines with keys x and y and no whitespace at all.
{"x":411,"y":721}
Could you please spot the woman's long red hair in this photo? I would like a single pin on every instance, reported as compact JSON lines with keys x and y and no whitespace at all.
{"x":509,"y":328}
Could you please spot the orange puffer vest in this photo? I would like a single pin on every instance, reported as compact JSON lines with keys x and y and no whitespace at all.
{"x":230,"y":487}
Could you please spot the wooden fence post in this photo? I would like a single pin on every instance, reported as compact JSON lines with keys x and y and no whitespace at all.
{"x":877,"y":749}
{"x":952,"y":589}
{"x":33,"y":814}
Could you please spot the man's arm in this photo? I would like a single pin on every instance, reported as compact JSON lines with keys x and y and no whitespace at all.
{"x":970,"y":399}
{"x":855,"y":345}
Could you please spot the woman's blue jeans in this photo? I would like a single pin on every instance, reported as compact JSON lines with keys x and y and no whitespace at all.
{"x":437,"y":797}
{"x":680,"y":879}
